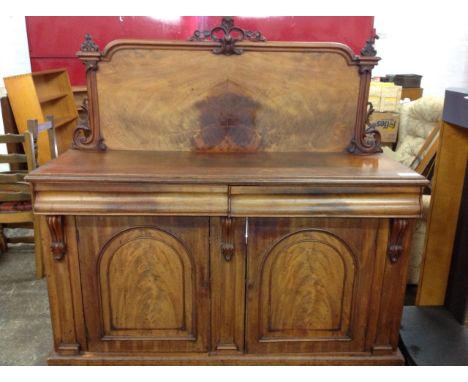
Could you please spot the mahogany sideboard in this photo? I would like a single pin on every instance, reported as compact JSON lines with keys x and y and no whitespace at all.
{"x":227,"y":204}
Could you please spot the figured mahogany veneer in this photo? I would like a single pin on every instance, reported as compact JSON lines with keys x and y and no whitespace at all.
{"x":263,"y":184}
{"x":240,"y":169}
{"x":275,"y":97}
{"x":215,"y":210}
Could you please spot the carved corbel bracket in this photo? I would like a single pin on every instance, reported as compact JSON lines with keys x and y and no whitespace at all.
{"x":227,"y":243}
{"x":227,"y":35}
{"x":397,"y":234}
{"x":58,"y":246}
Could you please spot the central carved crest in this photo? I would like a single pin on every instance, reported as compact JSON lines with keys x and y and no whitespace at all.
{"x":227,"y":35}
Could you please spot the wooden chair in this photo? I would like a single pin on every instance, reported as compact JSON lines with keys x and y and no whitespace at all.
{"x":9,"y":125}
{"x":35,"y":128}
{"x":15,"y":193}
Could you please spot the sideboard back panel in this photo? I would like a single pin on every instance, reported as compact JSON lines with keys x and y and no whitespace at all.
{"x":194,"y":100}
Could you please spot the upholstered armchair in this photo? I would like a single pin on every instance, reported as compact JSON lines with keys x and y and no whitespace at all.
{"x":417,"y":121}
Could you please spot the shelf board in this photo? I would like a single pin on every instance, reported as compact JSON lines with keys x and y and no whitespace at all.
{"x":48,"y":72}
{"x":64,"y":120}
{"x":52,"y":97}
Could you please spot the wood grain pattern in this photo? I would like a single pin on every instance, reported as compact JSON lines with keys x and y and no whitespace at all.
{"x":259,"y":101}
{"x":339,"y":205}
{"x":199,"y":359}
{"x":64,"y":288}
{"x":151,"y":292}
{"x":227,"y":123}
{"x":308,"y":284}
{"x":146,"y":284}
{"x":449,"y":175}
{"x":37,"y":95}
{"x":392,"y":292}
{"x":225,"y":223}
{"x":216,"y":204}
{"x":186,"y":204}
{"x":307,"y":281}
{"x":186,"y":168}
{"x":130,"y":182}
{"x":230,"y":124}
{"x":228,"y":289}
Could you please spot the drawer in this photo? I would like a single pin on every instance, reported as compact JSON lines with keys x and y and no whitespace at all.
{"x":325,"y":201}
{"x":171,"y":200}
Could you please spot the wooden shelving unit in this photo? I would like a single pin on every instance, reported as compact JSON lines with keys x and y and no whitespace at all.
{"x":52,"y":97}
{"x":37,"y":95}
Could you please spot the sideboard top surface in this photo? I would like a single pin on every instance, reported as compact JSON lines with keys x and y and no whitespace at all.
{"x":225,"y":168}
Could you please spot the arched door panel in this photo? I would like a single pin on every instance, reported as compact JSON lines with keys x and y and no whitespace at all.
{"x":305,"y":282}
{"x":150,"y":292}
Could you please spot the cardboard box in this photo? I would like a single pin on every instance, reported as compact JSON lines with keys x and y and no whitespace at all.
{"x":375,"y":94}
{"x":387,"y":124}
{"x":385,"y":96}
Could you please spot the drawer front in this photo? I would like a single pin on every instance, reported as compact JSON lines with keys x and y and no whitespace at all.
{"x":342,"y":202}
{"x":309,"y":284}
{"x":145,"y":283}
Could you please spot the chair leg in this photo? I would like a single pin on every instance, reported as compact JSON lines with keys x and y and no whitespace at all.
{"x":3,"y":240}
{"x":38,"y":250}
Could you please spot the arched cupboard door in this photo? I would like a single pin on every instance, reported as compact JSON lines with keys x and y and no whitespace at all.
{"x":150,"y":285}
{"x":307,"y":288}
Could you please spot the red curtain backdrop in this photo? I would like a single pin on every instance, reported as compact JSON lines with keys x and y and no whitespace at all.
{"x":54,"y":40}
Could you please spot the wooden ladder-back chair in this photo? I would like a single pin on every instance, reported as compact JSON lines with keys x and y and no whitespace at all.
{"x":35,"y":128}
{"x":15,"y":193}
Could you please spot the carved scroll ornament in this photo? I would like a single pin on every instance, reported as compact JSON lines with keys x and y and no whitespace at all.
{"x":366,"y":138}
{"x":227,"y":35}
{"x":83,"y":136}
{"x":370,"y":141}
{"x":87,"y":136}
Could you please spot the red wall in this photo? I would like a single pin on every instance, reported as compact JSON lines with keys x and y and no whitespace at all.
{"x":54,"y":41}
